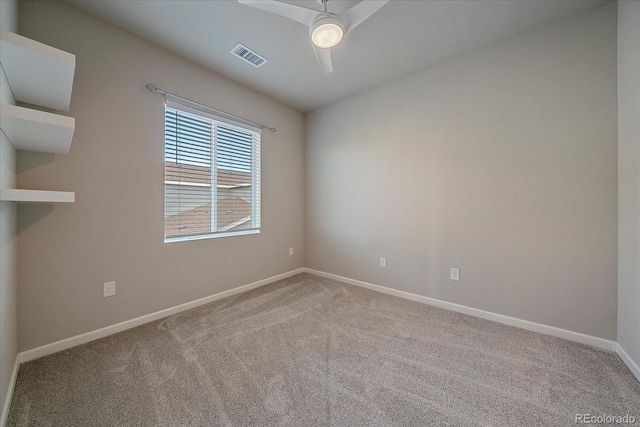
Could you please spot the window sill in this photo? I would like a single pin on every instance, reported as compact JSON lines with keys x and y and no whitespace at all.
{"x":211,"y":236}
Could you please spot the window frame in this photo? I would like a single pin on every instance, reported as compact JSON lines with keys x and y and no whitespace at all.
{"x":256,"y":172}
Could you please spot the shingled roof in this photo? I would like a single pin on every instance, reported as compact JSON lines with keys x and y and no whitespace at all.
{"x":232,"y":210}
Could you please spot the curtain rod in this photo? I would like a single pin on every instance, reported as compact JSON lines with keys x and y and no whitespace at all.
{"x":152,"y":88}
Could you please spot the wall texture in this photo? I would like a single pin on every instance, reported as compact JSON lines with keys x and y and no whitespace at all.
{"x":114,"y":231}
{"x":501,"y":162}
{"x":8,"y":238}
{"x":629,"y":178}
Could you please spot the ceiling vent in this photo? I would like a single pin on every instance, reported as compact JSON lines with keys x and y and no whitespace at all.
{"x":246,"y":54}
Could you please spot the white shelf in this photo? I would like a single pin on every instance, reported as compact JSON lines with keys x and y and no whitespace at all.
{"x":38,"y":74}
{"x":36,"y":196}
{"x":35,"y":130}
{"x":41,"y":75}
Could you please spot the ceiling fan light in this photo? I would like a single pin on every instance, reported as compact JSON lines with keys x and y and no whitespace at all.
{"x":327,"y":32}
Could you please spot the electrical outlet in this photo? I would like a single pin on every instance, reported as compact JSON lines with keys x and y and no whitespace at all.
{"x":108,"y":289}
{"x":383,"y":262}
{"x":455,"y":274}
{"x":290,"y":251}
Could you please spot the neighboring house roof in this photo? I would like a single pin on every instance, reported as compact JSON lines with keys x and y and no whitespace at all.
{"x":232,"y":212}
{"x":185,"y":173}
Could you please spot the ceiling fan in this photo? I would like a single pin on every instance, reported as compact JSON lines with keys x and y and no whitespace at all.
{"x":326,"y":29}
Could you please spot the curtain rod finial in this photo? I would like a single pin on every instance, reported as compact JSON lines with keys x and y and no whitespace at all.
{"x":151,"y":87}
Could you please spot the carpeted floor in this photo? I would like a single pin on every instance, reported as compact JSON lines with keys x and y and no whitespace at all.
{"x":308,"y":351}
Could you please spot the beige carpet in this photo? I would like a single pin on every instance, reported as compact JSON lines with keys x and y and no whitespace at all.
{"x":309,"y":351}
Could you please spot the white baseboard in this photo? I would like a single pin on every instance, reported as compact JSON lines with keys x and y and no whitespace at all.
{"x":57,"y":346}
{"x":500,"y":318}
{"x":6,"y":405}
{"x":633,"y":366}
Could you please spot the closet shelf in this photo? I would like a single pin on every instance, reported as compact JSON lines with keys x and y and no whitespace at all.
{"x":36,"y":196}
{"x":35,"y":130}
{"x":38,"y":74}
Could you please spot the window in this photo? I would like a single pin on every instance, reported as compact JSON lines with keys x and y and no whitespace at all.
{"x":211,"y":176}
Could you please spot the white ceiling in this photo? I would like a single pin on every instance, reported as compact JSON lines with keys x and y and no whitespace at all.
{"x":403,"y":37}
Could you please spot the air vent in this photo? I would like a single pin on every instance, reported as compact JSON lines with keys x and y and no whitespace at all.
{"x":246,"y":54}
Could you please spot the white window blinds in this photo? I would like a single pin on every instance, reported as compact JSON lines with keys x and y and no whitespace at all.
{"x":212,"y":176}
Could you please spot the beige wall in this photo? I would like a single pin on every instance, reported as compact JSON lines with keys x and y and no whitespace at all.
{"x":114,"y":231}
{"x":8,"y":240}
{"x":629,"y":178}
{"x":501,"y":162}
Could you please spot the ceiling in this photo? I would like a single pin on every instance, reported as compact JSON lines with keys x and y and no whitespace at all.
{"x":403,"y":37}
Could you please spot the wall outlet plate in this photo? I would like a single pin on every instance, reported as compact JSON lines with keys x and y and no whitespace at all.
{"x":290,"y":251}
{"x":383,"y":262}
{"x":108,"y":289}
{"x":455,"y":274}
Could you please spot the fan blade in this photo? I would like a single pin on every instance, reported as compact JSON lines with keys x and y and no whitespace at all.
{"x":297,"y":13}
{"x":360,"y":12}
{"x":324,"y":58}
